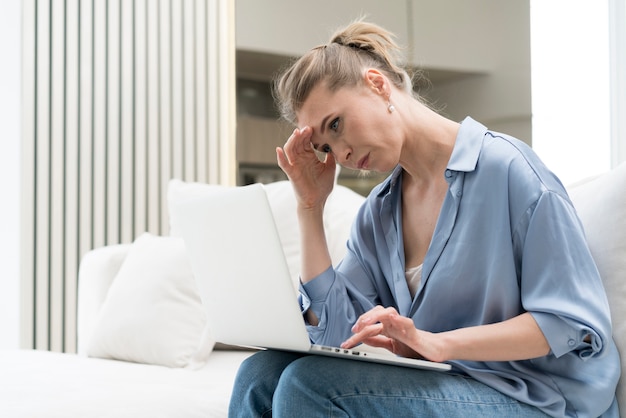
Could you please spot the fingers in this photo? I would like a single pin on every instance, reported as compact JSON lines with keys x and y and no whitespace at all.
{"x":366,"y":327}
{"x":282,"y":160}
{"x":366,"y":333}
{"x":381,"y":326}
{"x":297,"y":145}
{"x":373,"y":316}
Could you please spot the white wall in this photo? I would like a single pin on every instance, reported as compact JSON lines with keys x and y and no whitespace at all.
{"x":570,"y":90}
{"x":10,"y":24}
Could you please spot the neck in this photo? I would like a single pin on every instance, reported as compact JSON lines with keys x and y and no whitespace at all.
{"x":428,"y":145}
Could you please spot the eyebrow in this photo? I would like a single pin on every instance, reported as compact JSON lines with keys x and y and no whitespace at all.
{"x":322,"y":127}
{"x":324,"y":124}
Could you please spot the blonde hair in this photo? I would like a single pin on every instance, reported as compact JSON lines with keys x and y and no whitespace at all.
{"x":340,"y":63}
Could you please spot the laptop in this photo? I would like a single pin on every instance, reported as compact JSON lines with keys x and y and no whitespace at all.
{"x":240,"y":268}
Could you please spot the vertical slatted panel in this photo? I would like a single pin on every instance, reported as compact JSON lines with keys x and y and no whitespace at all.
{"x":117,"y":100}
{"x":152,"y":118}
{"x":127,"y":122}
{"x":71,"y":113}
{"x":86,"y":125}
{"x":200,"y":78}
{"x":139,"y":81}
{"x":56,"y":177}
{"x":165,"y":127}
{"x":176,"y":87}
{"x":213,"y":80}
{"x":99,"y":154}
{"x":188,"y":84}
{"x":112,"y":83}
{"x":41,"y":173}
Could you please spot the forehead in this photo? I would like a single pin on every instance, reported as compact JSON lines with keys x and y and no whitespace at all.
{"x":317,"y":103}
{"x":322,"y":102}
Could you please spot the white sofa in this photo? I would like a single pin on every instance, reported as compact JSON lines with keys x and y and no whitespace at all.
{"x":144,"y":349}
{"x":161,"y":364}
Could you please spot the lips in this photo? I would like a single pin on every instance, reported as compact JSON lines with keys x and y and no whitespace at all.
{"x":362,"y":164}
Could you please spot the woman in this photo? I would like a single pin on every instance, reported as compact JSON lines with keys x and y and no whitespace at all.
{"x":470,"y":252}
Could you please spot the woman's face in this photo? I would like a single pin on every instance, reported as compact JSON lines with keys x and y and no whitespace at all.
{"x":355,"y":125}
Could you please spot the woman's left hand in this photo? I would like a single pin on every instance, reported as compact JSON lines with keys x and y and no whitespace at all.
{"x":386,"y":328}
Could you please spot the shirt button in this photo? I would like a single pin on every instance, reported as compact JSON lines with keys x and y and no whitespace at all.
{"x":571,"y":343}
{"x":449,"y":173}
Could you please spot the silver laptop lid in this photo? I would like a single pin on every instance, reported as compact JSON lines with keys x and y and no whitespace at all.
{"x":239,"y":264}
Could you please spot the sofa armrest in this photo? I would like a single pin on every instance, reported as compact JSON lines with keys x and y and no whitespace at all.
{"x":97,"y":270}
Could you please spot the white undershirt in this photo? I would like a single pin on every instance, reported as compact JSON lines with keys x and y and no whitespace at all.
{"x":413,"y":278}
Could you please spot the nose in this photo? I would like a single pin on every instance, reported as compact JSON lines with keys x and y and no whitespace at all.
{"x":342,"y":155}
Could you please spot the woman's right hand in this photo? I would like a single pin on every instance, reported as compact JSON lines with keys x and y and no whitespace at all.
{"x":311,"y":178}
{"x":312,"y":181}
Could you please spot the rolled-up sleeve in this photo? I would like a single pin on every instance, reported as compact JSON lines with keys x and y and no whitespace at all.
{"x":560,"y":284}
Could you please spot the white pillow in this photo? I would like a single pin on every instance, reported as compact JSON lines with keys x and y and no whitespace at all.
{"x":152,"y":313}
{"x":341,"y":208}
{"x":601,"y":206}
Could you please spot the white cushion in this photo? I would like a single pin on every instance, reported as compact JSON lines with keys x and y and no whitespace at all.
{"x":41,"y":383}
{"x":601,"y":206}
{"x":152,"y":313}
{"x":98,"y":269}
{"x":339,"y":213}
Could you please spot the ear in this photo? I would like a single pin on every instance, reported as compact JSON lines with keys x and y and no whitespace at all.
{"x":377,"y":81}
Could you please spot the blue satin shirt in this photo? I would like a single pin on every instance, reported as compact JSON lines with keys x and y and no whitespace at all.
{"x":507,"y":241}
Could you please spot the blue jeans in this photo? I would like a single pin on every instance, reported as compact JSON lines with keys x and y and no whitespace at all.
{"x":282,"y":384}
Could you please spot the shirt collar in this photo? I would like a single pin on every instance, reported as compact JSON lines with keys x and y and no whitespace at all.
{"x":465,"y":153}
{"x":469,"y":142}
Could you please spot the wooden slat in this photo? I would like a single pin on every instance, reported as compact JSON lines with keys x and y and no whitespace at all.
{"x":126,"y":134}
{"x":213,"y":133}
{"x":165,"y":105}
{"x":112,"y":134}
{"x":42,"y":174}
{"x":140,"y":79}
{"x":178,"y":91}
{"x":86,"y":127}
{"x":152,"y":98}
{"x":189,"y":90}
{"x":99,"y":125}
{"x":70,"y":252}
{"x":200,"y":77}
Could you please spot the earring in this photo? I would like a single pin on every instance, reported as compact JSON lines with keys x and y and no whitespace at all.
{"x":390,"y":108}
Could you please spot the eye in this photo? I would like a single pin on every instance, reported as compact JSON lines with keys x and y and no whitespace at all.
{"x":334,"y":124}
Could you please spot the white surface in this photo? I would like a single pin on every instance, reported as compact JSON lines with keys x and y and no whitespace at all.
{"x":37,"y":384}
